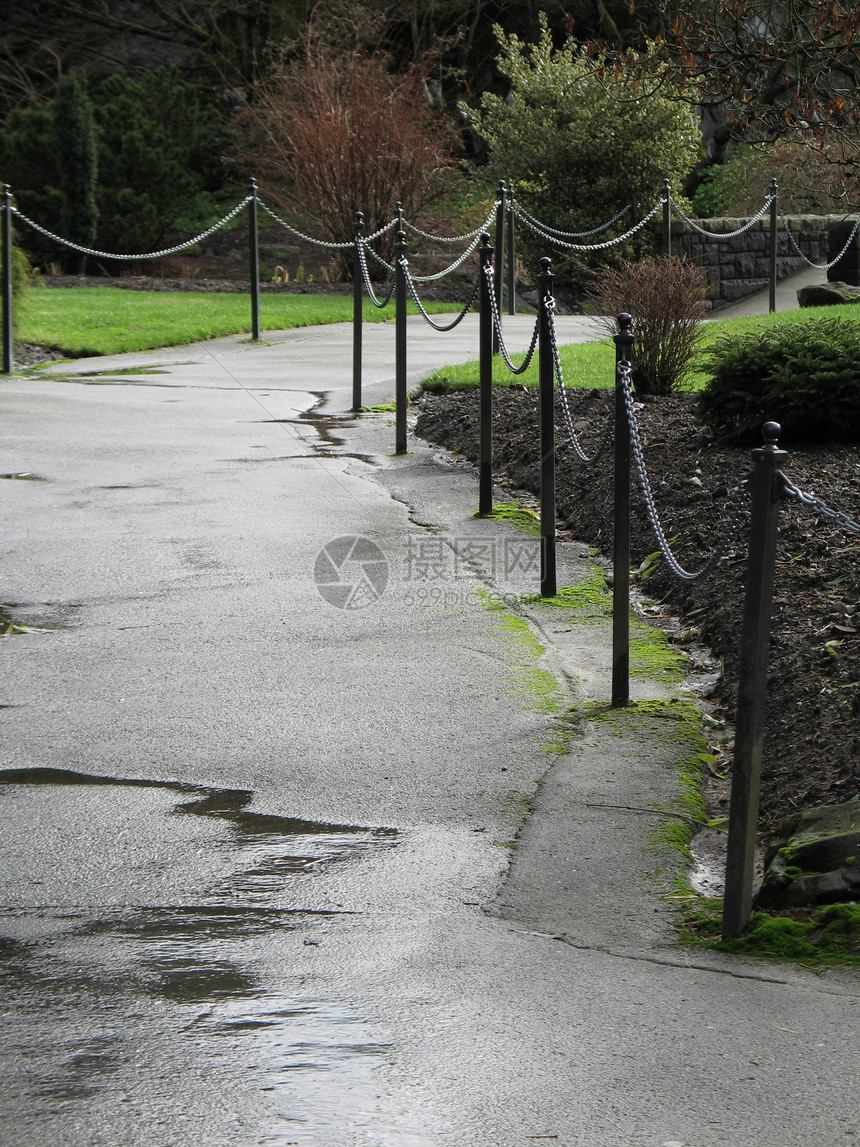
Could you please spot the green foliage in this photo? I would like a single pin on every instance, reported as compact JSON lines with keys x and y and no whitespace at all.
{"x":21,"y":274}
{"x":805,"y":376}
{"x":75,"y":150}
{"x":28,"y":164}
{"x":578,"y":139}
{"x":156,"y":140}
{"x":822,"y":936}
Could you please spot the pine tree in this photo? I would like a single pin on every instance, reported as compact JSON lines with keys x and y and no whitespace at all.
{"x":75,"y":142}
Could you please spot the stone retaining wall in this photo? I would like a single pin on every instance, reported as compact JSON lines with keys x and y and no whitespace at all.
{"x":740,"y":265}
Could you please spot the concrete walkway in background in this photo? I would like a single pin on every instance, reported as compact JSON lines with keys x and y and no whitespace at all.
{"x":341,"y":880}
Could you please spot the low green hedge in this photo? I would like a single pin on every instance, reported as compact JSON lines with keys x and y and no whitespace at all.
{"x":805,"y":376}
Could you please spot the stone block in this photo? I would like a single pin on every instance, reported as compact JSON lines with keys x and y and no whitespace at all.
{"x":828,"y":295}
{"x":814,"y":859}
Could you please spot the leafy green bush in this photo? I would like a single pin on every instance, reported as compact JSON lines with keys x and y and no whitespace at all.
{"x":667,"y":300}
{"x":578,"y":138}
{"x":805,"y":376}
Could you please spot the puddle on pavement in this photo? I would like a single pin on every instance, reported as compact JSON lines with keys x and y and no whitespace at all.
{"x":23,"y":476}
{"x":328,"y":442}
{"x":181,"y":936}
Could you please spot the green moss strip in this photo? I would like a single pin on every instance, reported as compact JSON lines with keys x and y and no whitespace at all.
{"x":818,"y":937}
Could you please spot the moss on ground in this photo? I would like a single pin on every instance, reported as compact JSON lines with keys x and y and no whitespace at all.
{"x":816,"y":938}
{"x":526,"y":520}
{"x":522,"y":652}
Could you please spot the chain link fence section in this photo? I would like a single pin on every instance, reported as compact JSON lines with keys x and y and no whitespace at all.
{"x":794,"y":494}
{"x":300,"y":235}
{"x":134,"y":258}
{"x":529,"y":219}
{"x":805,"y":258}
{"x":543,"y":234}
{"x":410,"y":283}
{"x":725,"y":235}
{"x":625,"y":371}
{"x":497,"y":327}
{"x":606,"y":437}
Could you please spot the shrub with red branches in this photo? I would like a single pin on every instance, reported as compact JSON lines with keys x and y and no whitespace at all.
{"x":667,"y":298}
{"x":335,"y":131}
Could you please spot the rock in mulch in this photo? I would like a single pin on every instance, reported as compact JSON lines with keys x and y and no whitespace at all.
{"x":815,"y":858}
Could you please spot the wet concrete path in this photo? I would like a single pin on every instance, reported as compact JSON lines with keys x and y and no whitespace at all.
{"x":256,"y":882}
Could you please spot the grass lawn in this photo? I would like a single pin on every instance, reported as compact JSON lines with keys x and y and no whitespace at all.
{"x":592,"y":365}
{"x":81,"y":321}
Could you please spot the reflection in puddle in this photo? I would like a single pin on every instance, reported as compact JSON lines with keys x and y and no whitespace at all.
{"x":161,"y":1023}
{"x":327,"y":443}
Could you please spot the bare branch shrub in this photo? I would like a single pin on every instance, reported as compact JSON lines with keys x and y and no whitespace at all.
{"x":335,"y":132}
{"x":667,"y":298}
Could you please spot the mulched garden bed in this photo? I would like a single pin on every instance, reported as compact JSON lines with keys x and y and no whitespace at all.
{"x":812,"y":738}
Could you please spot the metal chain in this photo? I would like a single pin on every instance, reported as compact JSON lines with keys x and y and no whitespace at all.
{"x":453,"y":238}
{"x":133,"y":258}
{"x":596,"y":246}
{"x":497,"y":326}
{"x":300,"y":235}
{"x":388,"y":267}
{"x":625,"y":371}
{"x":404,"y":266}
{"x":728,"y":234}
{"x":524,"y":215}
{"x":380,"y":305}
{"x":796,"y":495}
{"x":453,"y":267}
{"x":805,"y":258}
{"x":581,"y":456}
{"x":382,"y":231}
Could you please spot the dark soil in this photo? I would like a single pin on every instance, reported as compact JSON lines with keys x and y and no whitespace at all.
{"x":812,"y":737}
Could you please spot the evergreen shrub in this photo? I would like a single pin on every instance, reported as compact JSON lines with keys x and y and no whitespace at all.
{"x":578,"y":138}
{"x":805,"y":376}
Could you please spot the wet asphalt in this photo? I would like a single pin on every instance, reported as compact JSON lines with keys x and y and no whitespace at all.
{"x":266,"y":745}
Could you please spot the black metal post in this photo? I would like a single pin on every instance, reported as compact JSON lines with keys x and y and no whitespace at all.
{"x":667,"y":218}
{"x":255,"y":262}
{"x":773,"y":241}
{"x":621,"y":525}
{"x":485,"y":322}
{"x":512,"y":260}
{"x":546,"y":380}
{"x":357,"y":312}
{"x":7,"y":280}
{"x":499,"y":257}
{"x":400,"y":396}
{"x":766,"y":487}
